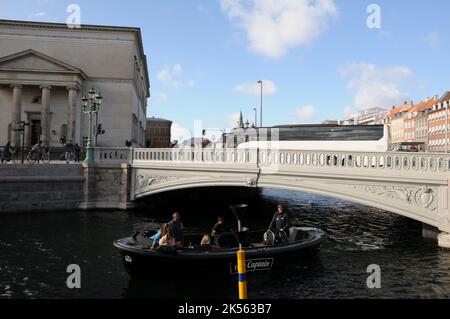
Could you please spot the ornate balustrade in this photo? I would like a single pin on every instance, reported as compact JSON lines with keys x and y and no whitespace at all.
{"x":103,"y":155}
{"x":355,"y":160}
{"x":423,"y":162}
{"x":225,"y":156}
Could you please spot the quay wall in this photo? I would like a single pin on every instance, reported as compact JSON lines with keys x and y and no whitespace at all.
{"x":29,"y":188}
{"x":107,"y":186}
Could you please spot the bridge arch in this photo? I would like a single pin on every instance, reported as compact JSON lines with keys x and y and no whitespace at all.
{"x":410,"y":202}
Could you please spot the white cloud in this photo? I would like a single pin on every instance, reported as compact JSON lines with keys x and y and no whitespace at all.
{"x":274,"y":26}
{"x":169,"y":75}
{"x":191,"y":83}
{"x":38,"y":15}
{"x":161,"y":97}
{"x":433,"y":40}
{"x":180,"y":133}
{"x":269,"y":88}
{"x":306,"y":114}
{"x":377,"y":87}
{"x":232,"y":120}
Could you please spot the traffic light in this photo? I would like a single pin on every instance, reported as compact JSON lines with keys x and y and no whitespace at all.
{"x":100,"y":130}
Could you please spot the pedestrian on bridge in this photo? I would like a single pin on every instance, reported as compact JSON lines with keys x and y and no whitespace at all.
{"x":69,"y":151}
{"x":77,"y":153}
{"x":7,"y":153}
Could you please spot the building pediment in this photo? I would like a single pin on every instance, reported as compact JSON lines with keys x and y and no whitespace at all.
{"x":34,"y":61}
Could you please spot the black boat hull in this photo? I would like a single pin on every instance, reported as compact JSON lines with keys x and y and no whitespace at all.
{"x":141,"y":262}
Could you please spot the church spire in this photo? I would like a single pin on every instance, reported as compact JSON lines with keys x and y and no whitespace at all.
{"x":241,"y":121}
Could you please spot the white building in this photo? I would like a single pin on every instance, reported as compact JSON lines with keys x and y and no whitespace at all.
{"x":371,"y":116}
{"x":45,"y":68}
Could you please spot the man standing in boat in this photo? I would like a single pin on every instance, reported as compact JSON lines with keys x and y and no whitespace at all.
{"x":280,"y":224}
{"x":217,"y":231}
{"x":176,"y":228}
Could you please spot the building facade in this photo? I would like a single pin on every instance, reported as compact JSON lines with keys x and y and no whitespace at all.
{"x":158,"y":133}
{"x":395,"y":119}
{"x":416,"y":122}
{"x":46,"y":68}
{"x":439,"y":125}
{"x":371,"y":116}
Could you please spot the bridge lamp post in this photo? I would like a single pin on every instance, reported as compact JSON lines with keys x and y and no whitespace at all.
{"x":91,"y":105}
{"x":20,"y":129}
{"x":261,"y":106}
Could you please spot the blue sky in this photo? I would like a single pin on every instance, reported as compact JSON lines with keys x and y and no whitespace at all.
{"x":318,"y":59}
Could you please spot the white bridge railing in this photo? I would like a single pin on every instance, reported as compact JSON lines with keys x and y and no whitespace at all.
{"x":425,"y":162}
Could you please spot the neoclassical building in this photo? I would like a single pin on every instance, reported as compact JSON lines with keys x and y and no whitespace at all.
{"x":46,"y":68}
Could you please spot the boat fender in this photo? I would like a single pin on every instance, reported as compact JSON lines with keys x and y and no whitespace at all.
{"x":269,"y":238}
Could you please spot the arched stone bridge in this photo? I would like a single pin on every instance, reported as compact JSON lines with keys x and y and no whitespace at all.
{"x":414,"y":185}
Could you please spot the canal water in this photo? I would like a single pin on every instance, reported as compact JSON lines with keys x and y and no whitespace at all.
{"x":36,"y":248}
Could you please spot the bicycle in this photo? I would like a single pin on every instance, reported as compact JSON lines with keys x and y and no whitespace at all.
{"x":32,"y":157}
{"x":38,"y":156}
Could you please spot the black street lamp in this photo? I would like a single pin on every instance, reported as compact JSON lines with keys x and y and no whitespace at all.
{"x":91,"y":106}
{"x":20,"y":129}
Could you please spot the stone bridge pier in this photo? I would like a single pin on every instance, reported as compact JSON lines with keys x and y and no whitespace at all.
{"x":107,"y":186}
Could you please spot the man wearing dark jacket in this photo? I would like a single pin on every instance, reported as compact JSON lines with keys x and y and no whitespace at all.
{"x":176,"y":228}
{"x":280,"y":223}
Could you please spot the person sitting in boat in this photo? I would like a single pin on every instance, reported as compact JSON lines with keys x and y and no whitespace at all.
{"x":167,"y":239}
{"x":280,"y":224}
{"x":217,"y":231}
{"x":206,"y":241}
{"x":156,"y":237}
{"x":176,"y":227}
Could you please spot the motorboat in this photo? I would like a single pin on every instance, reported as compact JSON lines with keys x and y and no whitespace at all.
{"x":141,"y":260}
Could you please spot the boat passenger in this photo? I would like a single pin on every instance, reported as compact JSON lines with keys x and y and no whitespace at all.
{"x":176,"y":227}
{"x":167,"y":239}
{"x":280,"y":224}
{"x":156,"y":237}
{"x":217,"y":231}
{"x":206,"y":241}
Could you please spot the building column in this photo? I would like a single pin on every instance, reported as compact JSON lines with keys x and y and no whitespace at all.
{"x":71,"y":113}
{"x":16,"y":114}
{"x":45,"y":115}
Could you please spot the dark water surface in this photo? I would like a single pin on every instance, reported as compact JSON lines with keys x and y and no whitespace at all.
{"x":35,"y":250}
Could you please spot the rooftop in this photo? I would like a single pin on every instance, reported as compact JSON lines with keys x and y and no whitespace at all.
{"x":157,"y":119}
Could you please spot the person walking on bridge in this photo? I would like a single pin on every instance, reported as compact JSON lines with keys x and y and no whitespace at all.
{"x":70,"y":151}
{"x":7,"y":152}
